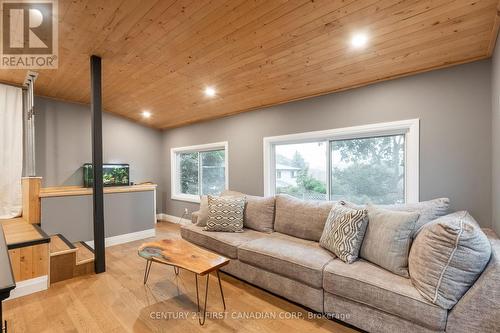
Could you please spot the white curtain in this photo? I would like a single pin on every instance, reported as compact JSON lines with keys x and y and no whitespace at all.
{"x":11,"y":151}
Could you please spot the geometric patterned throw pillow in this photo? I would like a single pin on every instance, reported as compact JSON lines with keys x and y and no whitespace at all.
{"x":344,"y":231}
{"x":225,"y":214}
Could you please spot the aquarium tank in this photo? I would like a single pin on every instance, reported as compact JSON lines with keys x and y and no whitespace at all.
{"x":112,"y":175}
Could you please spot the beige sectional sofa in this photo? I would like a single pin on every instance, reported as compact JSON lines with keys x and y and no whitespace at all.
{"x":289,"y":262}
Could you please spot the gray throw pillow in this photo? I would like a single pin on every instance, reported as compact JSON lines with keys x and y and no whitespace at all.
{"x":225,"y":214}
{"x":428,"y":210}
{"x":344,"y":231}
{"x":388,"y":239}
{"x":447,"y":257}
{"x":259,"y":213}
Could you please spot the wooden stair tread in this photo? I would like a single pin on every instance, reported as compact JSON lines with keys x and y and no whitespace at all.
{"x":18,"y":231}
{"x":83,"y":254}
{"x":60,"y":245}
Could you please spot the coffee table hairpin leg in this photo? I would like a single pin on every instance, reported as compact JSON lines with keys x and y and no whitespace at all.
{"x":221,"y":293}
{"x":201,"y":319}
{"x":148,"y":269}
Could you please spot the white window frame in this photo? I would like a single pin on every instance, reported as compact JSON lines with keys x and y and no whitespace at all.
{"x":190,"y":149}
{"x":410,"y":127}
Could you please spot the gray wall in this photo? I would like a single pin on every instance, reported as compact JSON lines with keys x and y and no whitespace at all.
{"x":63,"y":145}
{"x":495,"y":103}
{"x":124,"y":213}
{"x":454,"y":107}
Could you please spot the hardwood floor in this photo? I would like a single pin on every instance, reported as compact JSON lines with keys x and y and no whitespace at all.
{"x":117,"y":301}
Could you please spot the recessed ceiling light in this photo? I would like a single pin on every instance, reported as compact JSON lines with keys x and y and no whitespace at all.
{"x":359,"y":40}
{"x":146,"y":114}
{"x":209,"y":91}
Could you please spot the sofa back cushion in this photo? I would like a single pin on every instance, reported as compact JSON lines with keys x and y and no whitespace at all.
{"x":447,"y":257}
{"x":301,"y":218}
{"x":231,"y":193}
{"x":259,"y":213}
{"x":427,"y":210}
{"x":202,"y":214}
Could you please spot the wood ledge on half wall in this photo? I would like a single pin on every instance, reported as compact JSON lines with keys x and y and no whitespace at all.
{"x":62,"y":191}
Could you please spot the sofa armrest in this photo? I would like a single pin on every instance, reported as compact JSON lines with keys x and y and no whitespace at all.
{"x":194,"y":216}
{"x":479,"y":309}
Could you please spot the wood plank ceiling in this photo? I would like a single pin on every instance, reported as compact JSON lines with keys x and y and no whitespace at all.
{"x":159,"y":55}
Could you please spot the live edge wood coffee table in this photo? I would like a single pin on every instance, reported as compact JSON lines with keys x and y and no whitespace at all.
{"x":182,"y":254}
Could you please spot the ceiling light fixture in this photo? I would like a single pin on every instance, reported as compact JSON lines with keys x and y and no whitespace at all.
{"x":209,"y":92}
{"x":359,"y":40}
{"x":146,"y":114}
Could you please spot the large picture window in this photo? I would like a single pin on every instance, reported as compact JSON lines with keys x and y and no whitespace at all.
{"x":366,"y":164}
{"x":199,"y":170}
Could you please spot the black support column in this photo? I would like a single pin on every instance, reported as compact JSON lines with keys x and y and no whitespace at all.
{"x":98,"y":195}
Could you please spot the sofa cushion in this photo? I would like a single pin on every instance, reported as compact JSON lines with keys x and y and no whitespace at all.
{"x":388,"y":238}
{"x":224,"y":243}
{"x":447,"y":257}
{"x":428,"y":210}
{"x":370,"y":319}
{"x":259,"y":213}
{"x":202,"y":214}
{"x":479,"y":309}
{"x":194,"y":217}
{"x":278,"y":284}
{"x":369,"y":284}
{"x":292,"y":257}
{"x":344,"y":231}
{"x":231,"y":193}
{"x":301,"y":218}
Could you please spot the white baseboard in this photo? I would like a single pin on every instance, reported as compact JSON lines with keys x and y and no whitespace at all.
{"x":125,"y":238}
{"x":30,"y":286}
{"x":172,"y":218}
{"x":161,"y":217}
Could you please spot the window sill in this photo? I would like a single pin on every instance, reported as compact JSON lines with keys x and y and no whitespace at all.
{"x":186,"y":197}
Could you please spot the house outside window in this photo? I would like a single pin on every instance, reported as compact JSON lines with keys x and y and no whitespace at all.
{"x":375,"y":163}
{"x":199,"y":170}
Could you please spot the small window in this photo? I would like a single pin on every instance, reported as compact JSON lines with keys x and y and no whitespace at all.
{"x":198,"y":170}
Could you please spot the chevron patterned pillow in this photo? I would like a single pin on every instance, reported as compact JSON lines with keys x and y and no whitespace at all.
{"x":225,"y":214}
{"x":344,"y":231}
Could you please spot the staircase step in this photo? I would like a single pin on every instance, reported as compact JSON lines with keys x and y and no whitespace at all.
{"x":84,"y":253}
{"x":62,"y":258}
{"x":59,"y":245}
